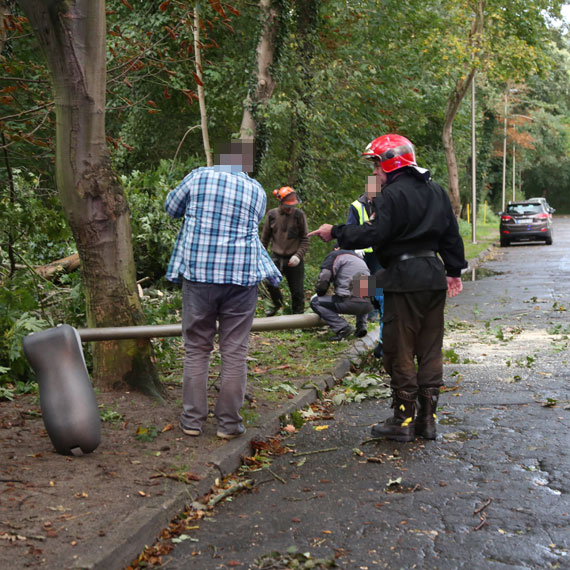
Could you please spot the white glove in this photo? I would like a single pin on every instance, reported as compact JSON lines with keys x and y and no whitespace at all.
{"x":294,"y":261}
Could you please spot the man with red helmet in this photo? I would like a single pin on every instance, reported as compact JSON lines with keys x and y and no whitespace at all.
{"x":286,"y":229}
{"x":416,"y":237}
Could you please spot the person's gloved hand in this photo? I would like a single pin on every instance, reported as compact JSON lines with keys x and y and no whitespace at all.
{"x":294,"y":261}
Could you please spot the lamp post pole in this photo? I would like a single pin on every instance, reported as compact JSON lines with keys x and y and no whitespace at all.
{"x":514,"y":170}
{"x":504,"y":153}
{"x":473,"y":163}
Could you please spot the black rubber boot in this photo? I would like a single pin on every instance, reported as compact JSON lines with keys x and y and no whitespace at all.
{"x":427,"y":407}
{"x":273,"y":310}
{"x":400,"y":426}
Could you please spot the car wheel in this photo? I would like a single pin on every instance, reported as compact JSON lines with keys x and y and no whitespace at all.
{"x":505,"y":242}
{"x":548,"y":240}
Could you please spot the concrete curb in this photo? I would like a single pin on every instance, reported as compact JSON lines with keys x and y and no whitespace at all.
{"x":476,"y":261}
{"x":142,"y":527}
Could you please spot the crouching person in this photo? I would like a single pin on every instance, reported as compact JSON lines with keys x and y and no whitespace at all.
{"x":342,"y":268}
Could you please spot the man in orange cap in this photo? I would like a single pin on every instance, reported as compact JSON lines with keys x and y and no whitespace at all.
{"x":286,"y":229}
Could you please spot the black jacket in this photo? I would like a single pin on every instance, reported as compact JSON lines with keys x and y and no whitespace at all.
{"x":411,"y":215}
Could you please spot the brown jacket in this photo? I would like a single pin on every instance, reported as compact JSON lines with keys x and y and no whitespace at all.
{"x":287,"y":233}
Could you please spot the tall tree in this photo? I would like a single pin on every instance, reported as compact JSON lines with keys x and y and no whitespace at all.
{"x":458,"y":93}
{"x":504,"y":42}
{"x":199,"y":81}
{"x":264,"y":81}
{"x":72,"y":35}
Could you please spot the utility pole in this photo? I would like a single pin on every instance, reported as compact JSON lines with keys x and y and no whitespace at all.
{"x":514,"y":170}
{"x":505,"y":151}
{"x":473,"y":163}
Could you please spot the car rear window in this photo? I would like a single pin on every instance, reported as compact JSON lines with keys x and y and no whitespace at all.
{"x":524,"y":209}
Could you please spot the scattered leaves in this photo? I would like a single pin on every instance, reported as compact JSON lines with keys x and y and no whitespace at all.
{"x":146,"y":434}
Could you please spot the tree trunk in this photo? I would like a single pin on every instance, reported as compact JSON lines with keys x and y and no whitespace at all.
{"x":453,"y":103}
{"x":265,"y":82}
{"x":71,"y":35}
{"x":4,"y":14}
{"x":458,"y":94}
{"x":201,"y":96}
{"x":307,"y":16}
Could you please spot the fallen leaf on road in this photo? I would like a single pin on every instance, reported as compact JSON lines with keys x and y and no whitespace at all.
{"x":321,"y":428}
{"x":59,"y":509}
{"x":184,"y":537}
{"x":392,"y":482}
{"x":11,"y":537}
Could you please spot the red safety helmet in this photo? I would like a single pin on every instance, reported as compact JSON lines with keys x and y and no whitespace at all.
{"x":393,"y":152}
{"x":286,"y":195}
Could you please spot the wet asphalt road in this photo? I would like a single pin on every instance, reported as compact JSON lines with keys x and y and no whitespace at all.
{"x":492,"y":492}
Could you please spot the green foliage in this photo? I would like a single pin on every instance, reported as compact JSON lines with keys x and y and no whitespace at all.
{"x":15,"y":327}
{"x":450,"y":356}
{"x":28,"y":304}
{"x":286,"y":387}
{"x":110,"y":415}
{"x":35,"y":231}
{"x":153,"y":231}
{"x":359,"y":388}
{"x":146,"y":433}
{"x":345,"y":73}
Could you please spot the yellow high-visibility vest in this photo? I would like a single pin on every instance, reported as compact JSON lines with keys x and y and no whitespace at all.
{"x":362,"y":217}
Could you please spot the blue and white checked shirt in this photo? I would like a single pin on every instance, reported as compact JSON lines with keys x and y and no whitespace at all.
{"x":219,"y":239}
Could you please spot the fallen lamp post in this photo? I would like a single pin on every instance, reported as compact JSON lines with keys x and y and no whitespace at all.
{"x":68,"y":403}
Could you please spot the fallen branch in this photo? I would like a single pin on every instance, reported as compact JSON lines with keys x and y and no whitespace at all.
{"x":186,"y":478}
{"x":482,"y":523}
{"x":70,"y":517}
{"x":483,"y":506}
{"x":66,"y":264}
{"x":277,"y":476}
{"x":247,"y":484}
{"x":315,"y":451}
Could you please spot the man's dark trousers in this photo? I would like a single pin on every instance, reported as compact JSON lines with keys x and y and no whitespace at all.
{"x":413,"y":327}
{"x":295,"y":278}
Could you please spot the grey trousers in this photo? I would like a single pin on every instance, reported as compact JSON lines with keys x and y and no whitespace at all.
{"x":329,"y":308}
{"x":234,"y":307}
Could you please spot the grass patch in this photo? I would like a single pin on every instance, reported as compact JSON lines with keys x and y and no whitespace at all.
{"x":487,"y":235}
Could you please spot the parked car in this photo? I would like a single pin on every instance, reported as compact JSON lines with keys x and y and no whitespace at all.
{"x":525,"y":221}
{"x":543,"y":201}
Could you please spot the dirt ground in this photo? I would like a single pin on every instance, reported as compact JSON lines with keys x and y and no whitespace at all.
{"x":54,"y":508}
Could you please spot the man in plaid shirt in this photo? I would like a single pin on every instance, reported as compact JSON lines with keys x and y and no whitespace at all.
{"x":219,"y":260}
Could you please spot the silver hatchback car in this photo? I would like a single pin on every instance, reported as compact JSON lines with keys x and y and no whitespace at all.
{"x":525,"y":221}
